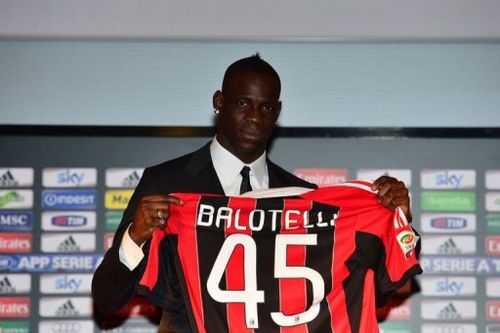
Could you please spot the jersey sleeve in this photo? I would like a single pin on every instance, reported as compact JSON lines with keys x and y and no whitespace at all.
{"x":398,"y":262}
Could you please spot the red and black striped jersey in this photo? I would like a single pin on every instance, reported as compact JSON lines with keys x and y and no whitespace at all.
{"x":305,"y":264}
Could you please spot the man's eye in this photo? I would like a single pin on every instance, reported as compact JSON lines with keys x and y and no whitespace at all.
{"x":242,"y":103}
{"x":267,"y":108}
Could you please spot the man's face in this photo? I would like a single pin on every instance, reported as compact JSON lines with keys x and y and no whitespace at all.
{"x":248,"y":109}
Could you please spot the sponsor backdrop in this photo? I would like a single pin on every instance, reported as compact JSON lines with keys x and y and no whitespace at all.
{"x":61,"y":198}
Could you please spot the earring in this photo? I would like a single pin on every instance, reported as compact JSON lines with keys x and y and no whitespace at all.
{"x":216,"y":111}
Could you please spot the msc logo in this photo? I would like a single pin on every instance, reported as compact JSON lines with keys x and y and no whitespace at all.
{"x":448,"y":179}
{"x":16,"y":221}
{"x":69,"y":199}
{"x":16,"y":177}
{"x":118,"y":199}
{"x":72,"y":177}
{"x":322,"y":177}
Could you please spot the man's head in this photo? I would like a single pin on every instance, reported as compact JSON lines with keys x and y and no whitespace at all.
{"x":248,"y":107}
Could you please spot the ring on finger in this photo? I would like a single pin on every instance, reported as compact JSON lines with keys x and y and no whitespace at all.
{"x":162,"y":222}
{"x":160,"y":214}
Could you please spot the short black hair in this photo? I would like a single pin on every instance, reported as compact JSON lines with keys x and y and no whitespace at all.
{"x":253,"y":64}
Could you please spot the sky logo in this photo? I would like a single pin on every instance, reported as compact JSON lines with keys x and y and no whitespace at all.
{"x":16,"y":221}
{"x":69,"y":199}
{"x":448,"y":179}
{"x":70,"y":177}
{"x":65,"y":283}
{"x":448,"y":286}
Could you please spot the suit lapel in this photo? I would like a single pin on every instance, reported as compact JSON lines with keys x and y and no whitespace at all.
{"x":199,"y":175}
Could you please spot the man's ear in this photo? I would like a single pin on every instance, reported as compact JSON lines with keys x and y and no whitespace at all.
{"x":218,"y":100}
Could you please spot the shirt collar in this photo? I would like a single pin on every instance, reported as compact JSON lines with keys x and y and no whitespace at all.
{"x":228,"y":166}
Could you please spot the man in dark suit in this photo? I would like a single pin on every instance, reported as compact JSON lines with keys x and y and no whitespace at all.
{"x":246,"y":110}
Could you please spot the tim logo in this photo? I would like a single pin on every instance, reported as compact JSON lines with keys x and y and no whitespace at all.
{"x":69,"y":221}
{"x":492,"y":244}
{"x":449,"y":223}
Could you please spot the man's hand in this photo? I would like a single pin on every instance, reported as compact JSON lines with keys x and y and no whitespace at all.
{"x":393,"y":193}
{"x":151,"y":213}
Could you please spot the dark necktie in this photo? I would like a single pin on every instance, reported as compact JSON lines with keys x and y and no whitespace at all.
{"x":245,"y":180}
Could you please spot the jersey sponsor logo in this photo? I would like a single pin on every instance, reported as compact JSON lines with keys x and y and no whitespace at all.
{"x":460,"y":265}
{"x":493,"y":310}
{"x":69,"y":199}
{"x":322,"y":177}
{"x":137,"y":307}
{"x":15,"y":307}
{"x":449,"y":244}
{"x":116,"y":199}
{"x":65,"y":307}
{"x":108,"y":240}
{"x":15,"y":283}
{"x":16,"y":242}
{"x":406,"y":241}
{"x":395,"y":310}
{"x":69,"y":177}
{"x":493,"y":328}
{"x":446,"y":223}
{"x":493,"y":201}
{"x":16,"y":177}
{"x":16,"y":221}
{"x":448,"y":201}
{"x":492,"y":179}
{"x":14,"y":326}
{"x":49,"y":263}
{"x":65,"y":283}
{"x":68,"y":220}
{"x":493,"y":223}
{"x":448,"y":328}
{"x":493,"y":287}
{"x":492,"y":245}
{"x":448,"y":179}
{"x":403,"y":175}
{"x":16,"y":199}
{"x":81,"y":242}
{"x":448,"y":286}
{"x":66,"y":326}
{"x":449,"y":309}
{"x":113,"y":220}
{"x":123,"y":177}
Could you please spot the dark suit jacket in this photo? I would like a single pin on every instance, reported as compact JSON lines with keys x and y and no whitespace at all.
{"x":114,"y":284}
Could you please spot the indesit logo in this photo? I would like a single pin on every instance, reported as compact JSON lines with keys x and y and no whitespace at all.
{"x":71,"y":177}
{"x":322,"y":177}
{"x":19,"y":199}
{"x":14,"y":242}
{"x":492,"y":244}
{"x":15,"y":307}
{"x":16,"y":177}
{"x":448,"y":179}
{"x":16,"y":221}
{"x":69,"y":199}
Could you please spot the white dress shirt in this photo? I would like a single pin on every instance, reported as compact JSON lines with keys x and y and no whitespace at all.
{"x":228,"y":167}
